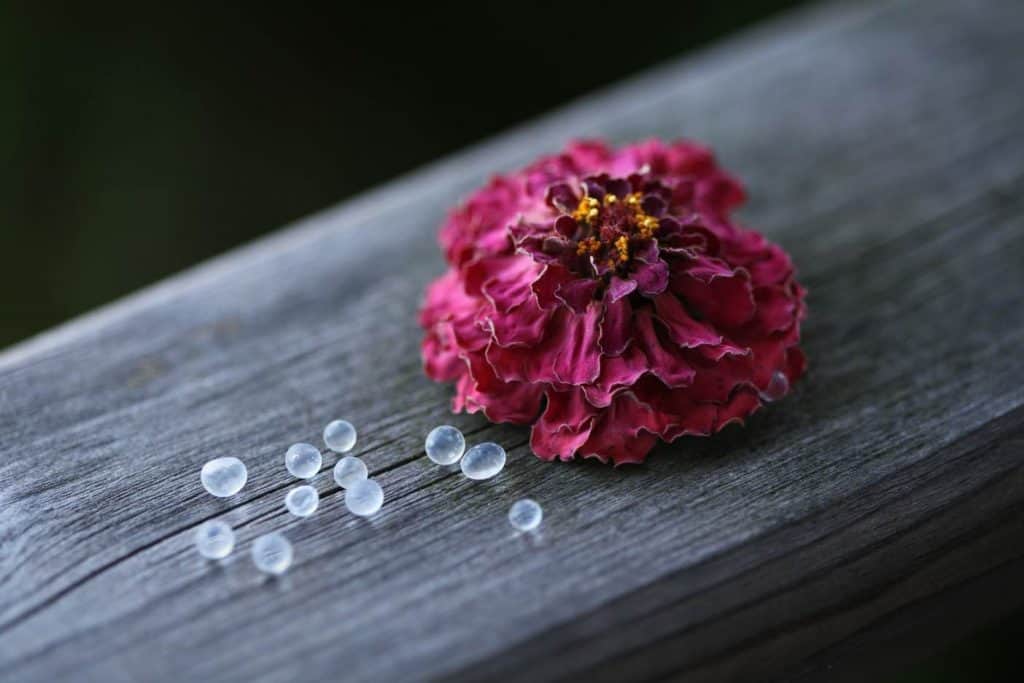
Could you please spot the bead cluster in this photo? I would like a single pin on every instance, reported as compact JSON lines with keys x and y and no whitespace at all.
{"x":272,"y":553}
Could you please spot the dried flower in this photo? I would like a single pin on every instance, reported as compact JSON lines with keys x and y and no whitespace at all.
{"x":606,"y":297}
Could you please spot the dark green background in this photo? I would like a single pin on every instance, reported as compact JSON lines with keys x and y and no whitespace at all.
{"x":137,"y":140}
{"x":144,"y":137}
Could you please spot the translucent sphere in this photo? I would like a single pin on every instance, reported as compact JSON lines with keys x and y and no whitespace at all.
{"x":303,"y":460}
{"x":302,"y":501}
{"x":777,"y":387}
{"x":483,"y":461}
{"x":525,"y":515}
{"x":340,"y":436}
{"x":364,"y":497}
{"x":445,"y":445}
{"x":349,"y":470}
{"x":215,"y":539}
{"x":272,"y":553}
{"x":223,"y":477}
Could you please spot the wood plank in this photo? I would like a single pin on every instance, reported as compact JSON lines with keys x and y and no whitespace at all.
{"x":881,"y":143}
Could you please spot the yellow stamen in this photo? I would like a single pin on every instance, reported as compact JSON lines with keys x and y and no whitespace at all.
{"x":622,"y":244}
{"x":589,"y":245}
{"x":587,"y":210}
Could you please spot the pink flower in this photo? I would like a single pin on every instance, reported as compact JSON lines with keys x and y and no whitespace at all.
{"x":606,"y":297}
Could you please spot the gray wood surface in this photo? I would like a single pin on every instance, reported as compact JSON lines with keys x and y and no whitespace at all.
{"x":864,"y":521}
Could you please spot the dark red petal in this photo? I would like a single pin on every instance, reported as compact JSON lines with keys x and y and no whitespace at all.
{"x":682,"y":328}
{"x":651,"y":278}
{"x":619,"y":288}
{"x":523,"y":326}
{"x":548,"y":282}
{"x":563,"y":426}
{"x":617,"y":374}
{"x":622,"y":433}
{"x":563,"y":197}
{"x":665,"y":361}
{"x":500,"y":401}
{"x":577,"y":294}
{"x":727,"y":301}
{"x":776,"y":309}
{"x":617,"y":325}
{"x":743,"y":403}
{"x":569,"y":354}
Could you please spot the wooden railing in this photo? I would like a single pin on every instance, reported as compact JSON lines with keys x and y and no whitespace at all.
{"x":863,"y":522}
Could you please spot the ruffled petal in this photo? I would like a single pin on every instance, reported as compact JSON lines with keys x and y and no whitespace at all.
{"x":622,"y":433}
{"x":569,"y":354}
{"x":564,"y":425}
{"x":524,"y":326}
{"x":618,"y":373}
{"x":616,"y":326}
{"x":682,"y":328}
{"x":666,"y":362}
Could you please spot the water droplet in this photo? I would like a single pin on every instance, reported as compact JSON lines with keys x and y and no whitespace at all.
{"x":215,"y":539}
{"x":303,"y":460}
{"x":349,"y":470}
{"x":525,"y":514}
{"x":483,"y":461}
{"x":302,"y":501}
{"x":777,"y":387}
{"x":340,"y":436}
{"x":364,"y":497}
{"x":272,"y":553}
{"x":445,"y":445}
{"x":223,"y":477}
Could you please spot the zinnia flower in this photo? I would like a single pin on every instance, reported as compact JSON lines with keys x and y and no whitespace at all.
{"x":607,"y":297}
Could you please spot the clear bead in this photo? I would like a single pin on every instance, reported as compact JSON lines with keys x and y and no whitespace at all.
{"x":303,"y":460}
{"x":223,"y":477}
{"x":364,"y":497}
{"x":445,"y":445}
{"x":302,"y":501}
{"x":777,"y":387}
{"x":483,"y":461}
{"x":272,"y":553}
{"x":525,"y":515}
{"x":215,"y":539}
{"x":340,"y":436}
{"x":349,"y":470}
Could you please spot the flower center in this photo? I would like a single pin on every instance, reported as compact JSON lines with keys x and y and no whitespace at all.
{"x":611,"y":227}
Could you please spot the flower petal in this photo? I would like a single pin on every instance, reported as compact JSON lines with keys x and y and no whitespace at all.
{"x":564,"y":425}
{"x":569,"y":354}
{"x":666,"y":362}
{"x":617,"y":325}
{"x":617,"y":374}
{"x":682,"y":328}
{"x":577,"y":294}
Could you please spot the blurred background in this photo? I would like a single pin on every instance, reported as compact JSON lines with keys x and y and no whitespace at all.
{"x":138,"y":140}
{"x":141,"y":138}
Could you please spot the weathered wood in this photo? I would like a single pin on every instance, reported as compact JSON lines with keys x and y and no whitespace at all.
{"x":866,"y":519}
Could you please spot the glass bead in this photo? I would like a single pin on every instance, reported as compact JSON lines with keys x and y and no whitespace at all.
{"x":223,"y":477}
{"x":525,"y":515}
{"x":349,"y":470}
{"x":215,"y":539}
{"x":302,"y":501}
{"x":303,"y":460}
{"x":340,"y":436}
{"x":272,"y":553}
{"x":445,"y":445}
{"x":483,"y":461}
{"x":364,"y":497}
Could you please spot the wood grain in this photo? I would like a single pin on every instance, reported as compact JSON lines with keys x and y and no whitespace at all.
{"x":864,"y":521}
